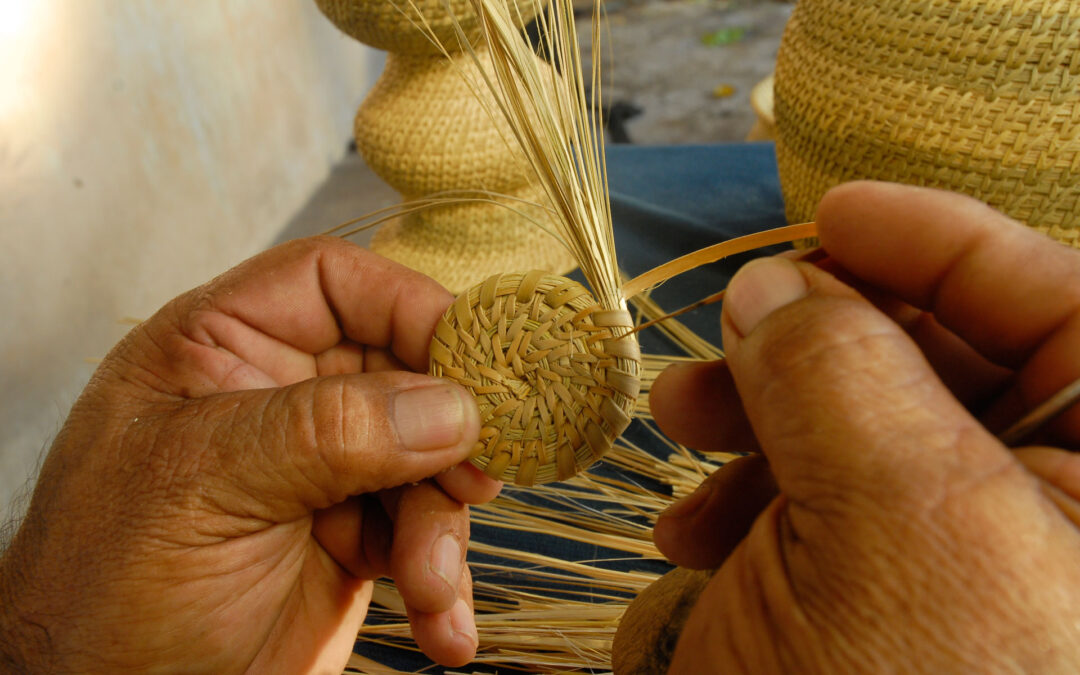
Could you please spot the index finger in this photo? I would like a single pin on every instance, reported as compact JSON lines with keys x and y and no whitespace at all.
{"x":1004,"y":288}
{"x":1008,"y":291}
{"x":310,"y":293}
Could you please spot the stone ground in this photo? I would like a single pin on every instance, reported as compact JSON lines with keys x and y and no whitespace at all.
{"x":689,"y":65}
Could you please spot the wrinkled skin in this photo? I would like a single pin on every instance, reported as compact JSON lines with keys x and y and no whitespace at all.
{"x":882,"y":527}
{"x":246,"y":461}
{"x":239,"y":470}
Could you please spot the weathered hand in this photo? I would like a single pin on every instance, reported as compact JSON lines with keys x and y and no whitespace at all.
{"x":240,"y":468}
{"x":889,"y":531}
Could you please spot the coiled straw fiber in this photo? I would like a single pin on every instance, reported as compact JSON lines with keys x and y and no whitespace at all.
{"x":976,"y":96}
{"x":554,"y":383}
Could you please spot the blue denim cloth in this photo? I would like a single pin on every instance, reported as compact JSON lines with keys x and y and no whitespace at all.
{"x":666,"y":201}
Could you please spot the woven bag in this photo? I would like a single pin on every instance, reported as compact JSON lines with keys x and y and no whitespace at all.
{"x":976,"y":96}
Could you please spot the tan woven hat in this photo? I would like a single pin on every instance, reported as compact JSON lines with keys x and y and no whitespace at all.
{"x":976,"y":96}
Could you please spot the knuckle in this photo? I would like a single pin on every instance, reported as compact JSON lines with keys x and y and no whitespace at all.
{"x":833,"y":351}
{"x":823,"y":331}
{"x":330,"y":423}
{"x":306,"y":422}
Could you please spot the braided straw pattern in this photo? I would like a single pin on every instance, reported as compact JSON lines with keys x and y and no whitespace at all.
{"x":554,"y":385}
{"x":976,"y":96}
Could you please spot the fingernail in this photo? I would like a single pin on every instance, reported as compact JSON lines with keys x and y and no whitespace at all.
{"x":761,"y":287}
{"x":462,"y":621}
{"x":445,"y":559}
{"x":429,"y":418}
{"x":690,"y":504}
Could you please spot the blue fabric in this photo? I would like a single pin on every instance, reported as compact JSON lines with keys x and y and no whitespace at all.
{"x":701,"y":189}
{"x":667,"y":201}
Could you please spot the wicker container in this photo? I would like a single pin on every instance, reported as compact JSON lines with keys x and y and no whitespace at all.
{"x":394,"y":26}
{"x":424,"y":129}
{"x":976,"y":96}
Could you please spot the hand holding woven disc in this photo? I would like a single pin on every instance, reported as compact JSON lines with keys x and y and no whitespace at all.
{"x":554,"y":382}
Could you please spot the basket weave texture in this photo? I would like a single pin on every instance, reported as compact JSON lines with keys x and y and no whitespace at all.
{"x":393,"y":25}
{"x":424,"y":130}
{"x":977,"y":96}
{"x":431,"y":126}
{"x":554,"y":384}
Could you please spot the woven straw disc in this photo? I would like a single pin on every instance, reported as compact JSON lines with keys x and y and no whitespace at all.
{"x":977,"y":96}
{"x":554,"y":385}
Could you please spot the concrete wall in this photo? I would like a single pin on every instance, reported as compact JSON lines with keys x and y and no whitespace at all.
{"x":145,"y":146}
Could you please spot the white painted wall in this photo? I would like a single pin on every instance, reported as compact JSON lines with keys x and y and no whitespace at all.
{"x":145,"y":146}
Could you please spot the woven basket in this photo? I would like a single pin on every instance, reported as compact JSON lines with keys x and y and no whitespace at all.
{"x":976,"y":96}
{"x":392,"y":25}
{"x":423,"y":130}
{"x":554,"y":383}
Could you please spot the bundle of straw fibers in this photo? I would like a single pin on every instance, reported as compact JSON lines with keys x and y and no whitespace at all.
{"x":976,"y":96}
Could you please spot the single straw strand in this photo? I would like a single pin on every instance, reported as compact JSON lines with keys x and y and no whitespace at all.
{"x":668,"y":270}
{"x":1048,"y":410}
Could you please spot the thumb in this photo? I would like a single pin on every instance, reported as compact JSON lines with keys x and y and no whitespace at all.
{"x":841,"y":400}
{"x":313,"y":444}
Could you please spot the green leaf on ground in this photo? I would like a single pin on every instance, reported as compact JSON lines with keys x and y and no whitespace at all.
{"x":723,"y":37}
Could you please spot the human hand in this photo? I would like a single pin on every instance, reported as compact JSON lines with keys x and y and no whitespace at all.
{"x":883,"y":528}
{"x":238,"y":471}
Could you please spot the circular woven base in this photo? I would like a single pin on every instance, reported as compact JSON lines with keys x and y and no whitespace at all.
{"x":554,"y":383}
